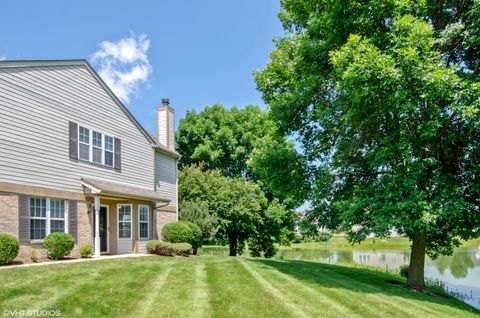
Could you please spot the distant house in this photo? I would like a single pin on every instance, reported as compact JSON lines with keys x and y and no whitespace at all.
{"x":73,"y":159}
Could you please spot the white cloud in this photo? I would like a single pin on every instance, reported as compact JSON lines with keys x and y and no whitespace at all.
{"x":124,"y":64}
{"x":3,"y":57}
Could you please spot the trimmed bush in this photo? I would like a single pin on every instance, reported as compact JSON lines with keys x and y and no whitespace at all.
{"x":324,"y":237}
{"x":404,"y":270}
{"x":8,"y":248}
{"x":58,"y":245}
{"x":86,"y":250}
{"x":177,"y":232}
{"x":169,"y":249}
{"x":197,"y":236}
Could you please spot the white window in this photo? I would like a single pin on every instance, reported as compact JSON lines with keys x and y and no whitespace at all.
{"x":95,"y":147}
{"x":46,"y":216}
{"x":143,"y":221}
{"x":124,"y":221}
{"x":108,"y":151}
{"x":84,"y":143}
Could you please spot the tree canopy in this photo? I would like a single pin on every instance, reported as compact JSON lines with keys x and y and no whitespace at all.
{"x":244,"y":143}
{"x":384,"y":97}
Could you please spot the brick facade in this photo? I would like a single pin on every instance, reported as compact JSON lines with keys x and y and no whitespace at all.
{"x":9,"y":213}
{"x":164,"y":217}
{"x":9,"y":223}
{"x":84,"y":226}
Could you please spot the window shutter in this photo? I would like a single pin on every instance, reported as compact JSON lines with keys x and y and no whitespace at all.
{"x":73,"y":219}
{"x":118,"y":154}
{"x":23,"y":218}
{"x":73,"y":141}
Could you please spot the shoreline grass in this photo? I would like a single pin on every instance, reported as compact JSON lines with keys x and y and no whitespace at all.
{"x":341,"y":243}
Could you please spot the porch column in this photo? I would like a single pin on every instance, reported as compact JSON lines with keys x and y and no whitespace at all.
{"x":97,"y":226}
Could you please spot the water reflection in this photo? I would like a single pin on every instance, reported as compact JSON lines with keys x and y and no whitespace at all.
{"x":460,"y":272}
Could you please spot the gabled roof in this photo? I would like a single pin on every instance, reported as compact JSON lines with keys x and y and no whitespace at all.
{"x":82,"y":62}
{"x":93,"y":187}
{"x":162,"y":148}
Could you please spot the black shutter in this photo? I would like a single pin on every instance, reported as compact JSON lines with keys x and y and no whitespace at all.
{"x":118,"y":154}
{"x":23,"y":218}
{"x":73,"y":218}
{"x":73,"y":142}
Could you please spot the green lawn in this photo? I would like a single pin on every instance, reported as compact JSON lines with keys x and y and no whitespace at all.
{"x":215,"y":286}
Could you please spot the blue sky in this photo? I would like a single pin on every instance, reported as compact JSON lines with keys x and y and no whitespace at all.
{"x":197,"y":53}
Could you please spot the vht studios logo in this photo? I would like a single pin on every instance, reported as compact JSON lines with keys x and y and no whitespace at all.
{"x":31,"y":313}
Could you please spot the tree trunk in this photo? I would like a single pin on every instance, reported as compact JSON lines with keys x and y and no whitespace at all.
{"x":416,"y":278}
{"x":233,"y":244}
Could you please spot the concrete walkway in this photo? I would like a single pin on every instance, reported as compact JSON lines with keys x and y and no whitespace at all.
{"x":80,"y":260}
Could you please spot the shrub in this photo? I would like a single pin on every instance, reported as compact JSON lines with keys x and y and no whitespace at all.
{"x":177,"y":232}
{"x":404,"y":271}
{"x":86,"y":250}
{"x":197,"y":236}
{"x":8,"y":248}
{"x":34,"y":256}
{"x":58,"y":245}
{"x":169,"y":249}
{"x":323,"y":237}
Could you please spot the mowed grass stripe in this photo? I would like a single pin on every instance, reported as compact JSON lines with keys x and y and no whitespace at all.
{"x":235,"y":293}
{"x":178,"y":289}
{"x":385,"y":300}
{"x":295,"y":309}
{"x":388,"y":300}
{"x":318,"y":299}
{"x":148,"y":304}
{"x":201,"y":297}
{"x":17,"y":288}
{"x":354,"y":300}
{"x":39,"y":288}
{"x":117,"y":292}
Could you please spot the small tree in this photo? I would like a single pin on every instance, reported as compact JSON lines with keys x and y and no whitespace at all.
{"x":198,"y":213}
{"x":239,"y":205}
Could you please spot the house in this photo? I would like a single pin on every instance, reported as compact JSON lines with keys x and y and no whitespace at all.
{"x":73,"y":159}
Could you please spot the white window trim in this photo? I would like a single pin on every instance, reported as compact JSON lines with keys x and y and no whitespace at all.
{"x":47,"y":217}
{"x":118,"y":222}
{"x":148,"y":221}
{"x":84,"y":143}
{"x":91,"y":146}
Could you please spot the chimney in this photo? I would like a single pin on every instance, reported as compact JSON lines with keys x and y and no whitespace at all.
{"x":166,"y":124}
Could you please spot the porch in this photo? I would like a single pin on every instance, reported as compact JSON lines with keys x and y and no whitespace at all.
{"x":122,"y":218}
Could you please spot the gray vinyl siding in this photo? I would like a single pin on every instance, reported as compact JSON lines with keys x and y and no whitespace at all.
{"x":36,"y":105}
{"x":166,"y":171}
{"x":124,"y":246}
{"x":142,"y":246}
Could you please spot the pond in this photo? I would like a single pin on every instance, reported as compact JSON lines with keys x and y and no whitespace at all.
{"x":460,"y":273}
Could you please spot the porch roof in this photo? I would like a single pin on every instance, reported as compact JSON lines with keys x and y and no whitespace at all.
{"x":93,"y":187}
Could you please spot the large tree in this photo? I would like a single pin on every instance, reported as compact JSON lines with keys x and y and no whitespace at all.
{"x":385,"y":100}
{"x":243,"y":143}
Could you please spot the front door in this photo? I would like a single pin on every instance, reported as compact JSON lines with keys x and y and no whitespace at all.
{"x":103,"y":229}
